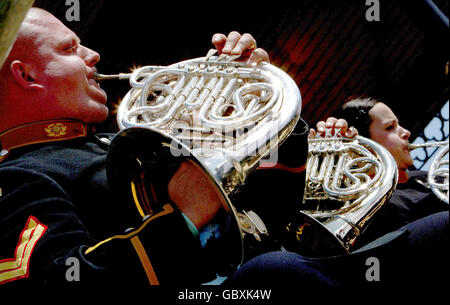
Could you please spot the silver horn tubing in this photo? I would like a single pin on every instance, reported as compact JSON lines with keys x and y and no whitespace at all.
{"x":262,"y":105}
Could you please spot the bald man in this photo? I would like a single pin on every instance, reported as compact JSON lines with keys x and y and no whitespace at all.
{"x":57,"y":210}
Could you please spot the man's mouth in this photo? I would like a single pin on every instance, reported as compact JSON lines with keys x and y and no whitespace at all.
{"x":94,"y":83}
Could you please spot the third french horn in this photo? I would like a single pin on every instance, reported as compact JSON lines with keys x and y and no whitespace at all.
{"x":438,"y":173}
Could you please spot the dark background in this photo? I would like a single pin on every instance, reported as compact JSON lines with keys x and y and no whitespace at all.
{"x":328,"y":47}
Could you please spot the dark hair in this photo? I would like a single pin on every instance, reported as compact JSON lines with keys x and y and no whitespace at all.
{"x":356,"y":112}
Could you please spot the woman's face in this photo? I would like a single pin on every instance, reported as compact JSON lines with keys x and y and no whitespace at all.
{"x":386,"y":131}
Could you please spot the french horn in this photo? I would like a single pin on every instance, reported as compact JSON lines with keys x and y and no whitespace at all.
{"x":439,"y":171}
{"x":216,"y":111}
{"x":347,"y":182}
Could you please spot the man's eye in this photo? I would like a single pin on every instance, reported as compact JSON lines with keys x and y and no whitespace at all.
{"x":71,"y":48}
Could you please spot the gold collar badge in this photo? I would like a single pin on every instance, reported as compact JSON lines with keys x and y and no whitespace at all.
{"x":55,"y":130}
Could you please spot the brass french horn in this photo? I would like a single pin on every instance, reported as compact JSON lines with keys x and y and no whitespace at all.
{"x":347,"y":182}
{"x":216,"y":111}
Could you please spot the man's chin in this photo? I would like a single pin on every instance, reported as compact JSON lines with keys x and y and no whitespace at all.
{"x":99,"y":114}
{"x":101,"y":97}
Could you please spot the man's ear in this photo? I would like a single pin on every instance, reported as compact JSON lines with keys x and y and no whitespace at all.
{"x":21,"y":73}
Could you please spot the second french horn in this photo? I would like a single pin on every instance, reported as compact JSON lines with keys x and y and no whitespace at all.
{"x":347,"y":182}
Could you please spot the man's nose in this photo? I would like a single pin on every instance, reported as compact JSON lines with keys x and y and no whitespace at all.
{"x":90,"y":57}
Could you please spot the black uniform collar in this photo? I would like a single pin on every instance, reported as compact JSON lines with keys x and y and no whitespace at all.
{"x":40,"y":132}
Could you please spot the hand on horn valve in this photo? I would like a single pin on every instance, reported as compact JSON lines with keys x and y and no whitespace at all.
{"x":237,"y":44}
{"x":331,"y":127}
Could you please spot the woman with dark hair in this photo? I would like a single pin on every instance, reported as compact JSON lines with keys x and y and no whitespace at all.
{"x":412,"y":199}
{"x":356,"y":112}
{"x":408,"y":236}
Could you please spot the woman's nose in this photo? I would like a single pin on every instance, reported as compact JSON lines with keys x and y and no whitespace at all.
{"x":405,"y":134}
